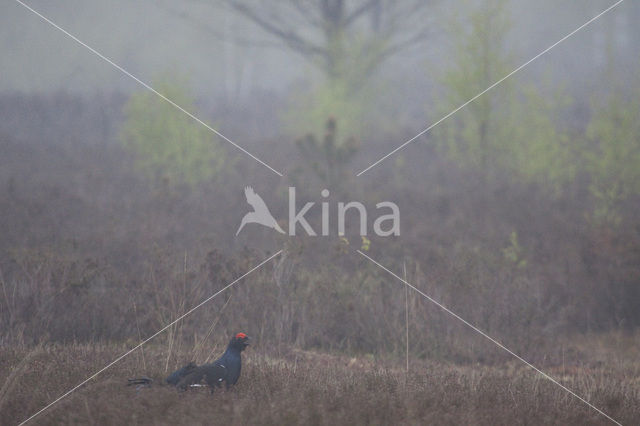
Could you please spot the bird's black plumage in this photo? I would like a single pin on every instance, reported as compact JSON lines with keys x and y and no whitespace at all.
{"x":225,"y":369}
{"x":213,"y":375}
{"x":175,"y":377}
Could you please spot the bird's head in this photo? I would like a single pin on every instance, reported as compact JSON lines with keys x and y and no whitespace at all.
{"x":240,"y":342}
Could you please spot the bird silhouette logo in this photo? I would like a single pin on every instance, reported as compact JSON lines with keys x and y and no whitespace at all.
{"x":260,"y":213}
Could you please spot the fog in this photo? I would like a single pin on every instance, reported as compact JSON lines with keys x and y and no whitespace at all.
{"x":211,"y":44}
{"x":506,"y":133}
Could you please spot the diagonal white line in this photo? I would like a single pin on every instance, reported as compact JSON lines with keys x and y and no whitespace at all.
{"x":476,"y":329}
{"x":145,"y":85}
{"x":64,"y":395}
{"x":491,"y":87}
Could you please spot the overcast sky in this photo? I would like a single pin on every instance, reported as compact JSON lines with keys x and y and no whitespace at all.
{"x":149,"y":37}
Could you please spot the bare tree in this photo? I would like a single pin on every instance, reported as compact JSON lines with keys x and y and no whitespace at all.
{"x":343,"y":37}
{"x":332,"y":32}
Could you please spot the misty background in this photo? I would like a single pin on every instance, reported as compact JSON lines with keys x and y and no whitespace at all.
{"x":227,"y":58}
{"x":520,"y":212}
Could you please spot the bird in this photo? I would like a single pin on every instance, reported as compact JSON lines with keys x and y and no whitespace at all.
{"x":225,"y":369}
{"x":260,"y":213}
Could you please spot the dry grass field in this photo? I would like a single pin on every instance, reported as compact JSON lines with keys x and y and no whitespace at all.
{"x":303,"y":387}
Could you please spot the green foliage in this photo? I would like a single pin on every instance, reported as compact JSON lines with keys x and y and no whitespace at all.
{"x":167,"y":144}
{"x":479,"y":60}
{"x":514,"y":253}
{"x":347,"y":92}
{"x":614,"y":166}
{"x":507,"y":129}
{"x":541,"y":151}
{"x":366,"y":243}
{"x":327,"y":156}
{"x":332,"y":98}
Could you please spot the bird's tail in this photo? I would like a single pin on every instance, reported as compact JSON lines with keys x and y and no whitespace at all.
{"x":140,"y":381}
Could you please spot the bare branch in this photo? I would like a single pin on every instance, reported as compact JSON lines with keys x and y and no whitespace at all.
{"x":404,"y":44}
{"x":218,"y":35}
{"x":360,"y":10}
{"x":299,"y":25}
{"x":289,"y":36}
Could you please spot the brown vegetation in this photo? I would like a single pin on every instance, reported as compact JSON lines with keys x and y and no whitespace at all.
{"x":295,"y":387}
{"x":95,"y":257}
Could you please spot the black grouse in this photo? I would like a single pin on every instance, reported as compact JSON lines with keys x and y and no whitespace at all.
{"x":224,"y":369}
